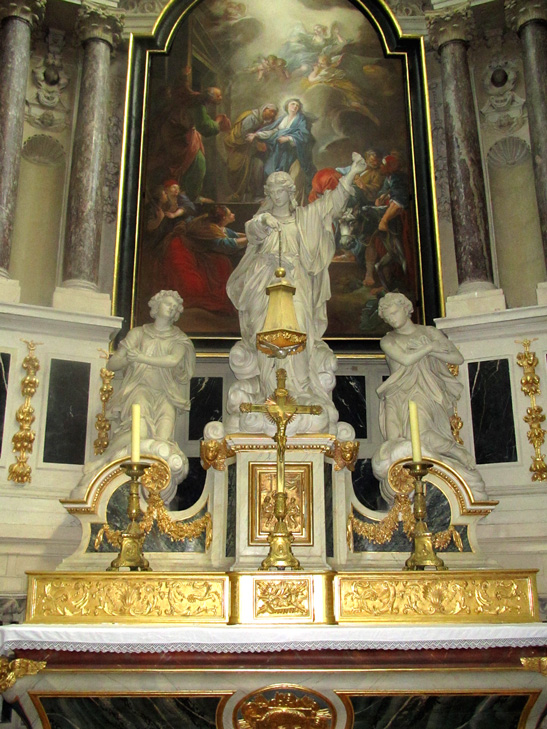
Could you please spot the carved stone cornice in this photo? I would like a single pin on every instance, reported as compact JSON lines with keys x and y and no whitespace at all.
{"x":445,"y":26}
{"x":520,"y":12}
{"x":31,"y":11}
{"x":97,"y":24}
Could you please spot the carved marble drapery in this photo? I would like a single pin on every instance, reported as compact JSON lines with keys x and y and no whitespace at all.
{"x":99,"y":33}
{"x":450,"y":33}
{"x":529,"y":19}
{"x":16,"y":18}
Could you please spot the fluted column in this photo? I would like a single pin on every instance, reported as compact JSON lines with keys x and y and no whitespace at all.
{"x":450,"y":33}
{"x":99,"y":33}
{"x":17,"y":18}
{"x":529,"y":19}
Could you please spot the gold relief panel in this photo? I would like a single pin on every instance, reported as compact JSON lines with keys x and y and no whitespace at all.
{"x":298,"y":485}
{"x":129,"y":597}
{"x":291,"y":597}
{"x":284,"y":707}
{"x":489,"y":596}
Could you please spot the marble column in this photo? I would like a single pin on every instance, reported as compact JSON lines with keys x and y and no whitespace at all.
{"x":529,"y":19}
{"x":450,"y":33}
{"x":16,"y":20}
{"x":99,"y":33}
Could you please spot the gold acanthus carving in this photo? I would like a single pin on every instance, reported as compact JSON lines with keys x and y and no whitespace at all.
{"x":154,"y":480}
{"x":284,"y":710}
{"x":344,"y":454}
{"x":282,"y":597}
{"x":102,"y":423}
{"x":382,"y":532}
{"x":473,"y":596}
{"x":214,"y":453}
{"x":91,"y":598}
{"x":23,"y":440}
{"x":535,"y":663}
{"x":529,"y":384}
{"x":10,"y":671}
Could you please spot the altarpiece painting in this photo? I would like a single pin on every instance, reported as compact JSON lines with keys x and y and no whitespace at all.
{"x":239,"y":90}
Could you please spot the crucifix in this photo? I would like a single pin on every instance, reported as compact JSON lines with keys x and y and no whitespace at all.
{"x":280,"y":408}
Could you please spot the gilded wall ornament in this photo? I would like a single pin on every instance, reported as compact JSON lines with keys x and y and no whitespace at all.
{"x":10,"y":671}
{"x":214,"y":453}
{"x":344,"y":454}
{"x":529,"y":384}
{"x":282,"y":597}
{"x":102,"y":423}
{"x":23,"y":440}
{"x":535,"y":663}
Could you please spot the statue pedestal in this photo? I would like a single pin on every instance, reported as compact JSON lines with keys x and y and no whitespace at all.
{"x":305,"y":486}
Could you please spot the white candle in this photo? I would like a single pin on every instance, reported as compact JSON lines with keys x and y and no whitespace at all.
{"x":136,"y":433}
{"x":414,"y":431}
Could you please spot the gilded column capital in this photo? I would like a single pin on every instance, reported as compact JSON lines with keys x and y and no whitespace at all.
{"x":96,"y":23}
{"x":520,"y":12}
{"x":454,"y":24}
{"x":31,"y":11}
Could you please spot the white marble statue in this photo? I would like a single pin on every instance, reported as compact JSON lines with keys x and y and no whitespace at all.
{"x":307,"y":248}
{"x":157,"y":362}
{"x":418,"y":358}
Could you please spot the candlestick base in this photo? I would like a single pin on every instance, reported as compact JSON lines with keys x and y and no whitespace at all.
{"x":280,"y":556}
{"x":423,"y":554}
{"x":132,"y":539}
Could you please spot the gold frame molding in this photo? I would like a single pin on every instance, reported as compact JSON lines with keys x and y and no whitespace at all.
{"x":298,"y":476}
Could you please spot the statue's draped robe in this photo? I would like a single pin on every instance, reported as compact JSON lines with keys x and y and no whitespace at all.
{"x":308,"y":247}
{"x":153,"y":387}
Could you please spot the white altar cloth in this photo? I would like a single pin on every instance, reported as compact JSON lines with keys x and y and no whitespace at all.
{"x":241,"y":639}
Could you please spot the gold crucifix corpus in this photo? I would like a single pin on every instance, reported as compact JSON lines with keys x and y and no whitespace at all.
{"x":280,"y":408}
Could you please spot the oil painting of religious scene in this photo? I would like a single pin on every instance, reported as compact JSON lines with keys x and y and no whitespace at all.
{"x":247,"y":89}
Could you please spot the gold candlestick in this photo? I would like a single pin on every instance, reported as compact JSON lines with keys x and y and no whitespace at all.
{"x":423,"y":554}
{"x":132,"y":539}
{"x":281,"y":409}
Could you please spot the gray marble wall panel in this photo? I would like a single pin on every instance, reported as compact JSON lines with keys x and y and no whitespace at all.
{"x":366,"y":486}
{"x":66,"y":419}
{"x":189,"y":490}
{"x":329,"y":534}
{"x":231,"y":515}
{"x":5,"y":360}
{"x":438,"y":711}
{"x":350,"y":399}
{"x":137,"y":712}
{"x":492,"y":411}
{"x":206,"y":399}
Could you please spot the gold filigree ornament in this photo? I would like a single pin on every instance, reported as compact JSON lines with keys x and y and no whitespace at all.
{"x":10,"y":671}
{"x":529,"y":384}
{"x":282,"y":597}
{"x":535,"y":663}
{"x":102,"y":423}
{"x":23,"y":440}
{"x":382,"y":532}
{"x":214,"y":453}
{"x":154,"y":480}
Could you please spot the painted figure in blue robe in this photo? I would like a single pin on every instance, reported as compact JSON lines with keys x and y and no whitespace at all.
{"x":289,"y":139}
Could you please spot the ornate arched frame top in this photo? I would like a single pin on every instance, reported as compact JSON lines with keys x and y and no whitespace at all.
{"x":422,"y":213}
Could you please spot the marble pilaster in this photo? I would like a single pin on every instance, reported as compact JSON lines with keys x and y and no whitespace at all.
{"x":16,"y":20}
{"x":529,"y":19}
{"x":450,"y":32}
{"x":99,"y":33}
